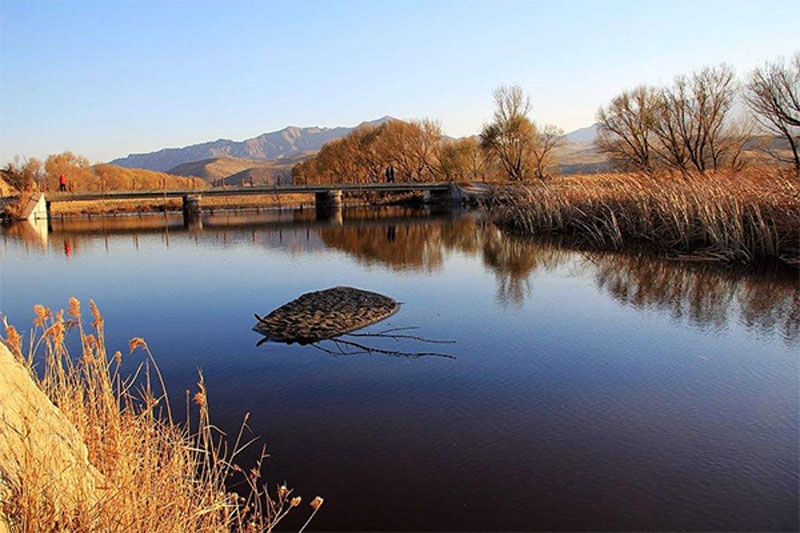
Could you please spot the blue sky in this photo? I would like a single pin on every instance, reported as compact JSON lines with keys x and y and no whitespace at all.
{"x":107,"y":78}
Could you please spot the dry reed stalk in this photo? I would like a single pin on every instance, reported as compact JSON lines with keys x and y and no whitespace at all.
{"x":739,"y":217}
{"x":156,"y":475}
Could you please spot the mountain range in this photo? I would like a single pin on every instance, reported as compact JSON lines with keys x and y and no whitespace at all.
{"x":275,"y":145}
{"x":269,"y":157}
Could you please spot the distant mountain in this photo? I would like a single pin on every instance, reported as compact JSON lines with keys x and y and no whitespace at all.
{"x":278,"y":144}
{"x":579,"y":155}
{"x":583,"y":135}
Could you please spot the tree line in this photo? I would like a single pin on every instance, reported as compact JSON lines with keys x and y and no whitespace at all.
{"x":690,"y":125}
{"x":512,"y":147}
{"x":31,"y":174}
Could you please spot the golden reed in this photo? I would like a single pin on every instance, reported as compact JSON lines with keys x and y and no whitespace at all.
{"x":157,"y":475}
{"x":738,"y":217}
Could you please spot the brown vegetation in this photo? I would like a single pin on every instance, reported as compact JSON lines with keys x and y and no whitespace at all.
{"x":363,"y":156}
{"x":33,"y":174}
{"x":730,"y":216}
{"x":155,"y":475}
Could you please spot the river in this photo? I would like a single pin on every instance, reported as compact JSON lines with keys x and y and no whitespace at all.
{"x":587,"y":390}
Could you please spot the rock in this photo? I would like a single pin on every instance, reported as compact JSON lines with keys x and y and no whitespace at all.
{"x":34,"y":434}
{"x":325,"y":314}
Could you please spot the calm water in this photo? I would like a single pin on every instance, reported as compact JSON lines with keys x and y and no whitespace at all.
{"x":588,"y":392}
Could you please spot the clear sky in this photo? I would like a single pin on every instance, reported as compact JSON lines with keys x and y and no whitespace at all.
{"x":107,"y":78}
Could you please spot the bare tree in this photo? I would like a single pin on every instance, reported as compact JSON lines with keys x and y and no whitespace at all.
{"x":543,"y":150}
{"x":510,"y":137}
{"x":626,"y":131}
{"x":773,"y":94}
{"x":693,"y":123}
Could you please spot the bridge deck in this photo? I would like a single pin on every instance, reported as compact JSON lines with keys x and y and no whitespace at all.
{"x":219,"y":191}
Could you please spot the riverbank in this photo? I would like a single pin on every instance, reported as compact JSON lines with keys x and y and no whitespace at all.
{"x":83,"y":448}
{"x":736,"y":217}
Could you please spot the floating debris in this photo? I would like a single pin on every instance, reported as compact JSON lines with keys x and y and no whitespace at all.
{"x":325,"y":314}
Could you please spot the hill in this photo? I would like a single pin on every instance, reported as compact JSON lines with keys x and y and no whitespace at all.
{"x":216,"y":168}
{"x":577,"y":153}
{"x":241,"y":172}
{"x":119,"y":178}
{"x":277,"y":144}
{"x":105,"y":177}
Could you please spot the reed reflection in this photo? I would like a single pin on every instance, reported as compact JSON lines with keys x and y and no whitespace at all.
{"x":703,"y":295}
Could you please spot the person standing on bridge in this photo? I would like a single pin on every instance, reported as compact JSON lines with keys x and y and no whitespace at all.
{"x":62,"y":183}
{"x":390,"y":174}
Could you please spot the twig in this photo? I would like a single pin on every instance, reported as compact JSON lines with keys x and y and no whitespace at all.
{"x":369,"y":349}
{"x":395,"y":336}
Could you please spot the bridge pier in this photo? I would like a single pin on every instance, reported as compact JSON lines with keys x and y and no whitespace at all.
{"x":37,"y":208}
{"x":452,"y":195}
{"x":328,"y":204}
{"x":192,"y":211}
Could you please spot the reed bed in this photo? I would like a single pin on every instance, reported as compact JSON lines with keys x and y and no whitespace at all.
{"x":156,"y":475}
{"x":737,"y":217}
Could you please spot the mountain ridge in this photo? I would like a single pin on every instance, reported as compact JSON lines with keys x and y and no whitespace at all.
{"x":272,"y":145}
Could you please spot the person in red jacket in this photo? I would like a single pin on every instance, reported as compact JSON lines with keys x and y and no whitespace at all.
{"x":62,"y":183}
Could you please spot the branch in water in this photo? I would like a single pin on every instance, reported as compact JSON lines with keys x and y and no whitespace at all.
{"x":364,"y":349}
{"x":351,"y":347}
{"x":386,"y":335}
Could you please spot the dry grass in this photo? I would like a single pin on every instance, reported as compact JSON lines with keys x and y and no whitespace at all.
{"x":157,"y":475}
{"x":728,"y":216}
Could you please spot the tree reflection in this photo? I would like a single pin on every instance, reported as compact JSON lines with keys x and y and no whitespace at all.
{"x":408,"y":247}
{"x":704,"y":295}
{"x":708,"y":296}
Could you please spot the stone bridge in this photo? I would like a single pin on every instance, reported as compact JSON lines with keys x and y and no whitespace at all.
{"x":328,"y":197}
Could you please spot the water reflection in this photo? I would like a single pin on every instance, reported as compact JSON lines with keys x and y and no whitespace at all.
{"x":34,"y":235}
{"x":705,"y":296}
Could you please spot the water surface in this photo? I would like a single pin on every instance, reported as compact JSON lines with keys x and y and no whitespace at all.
{"x":589,"y":391}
